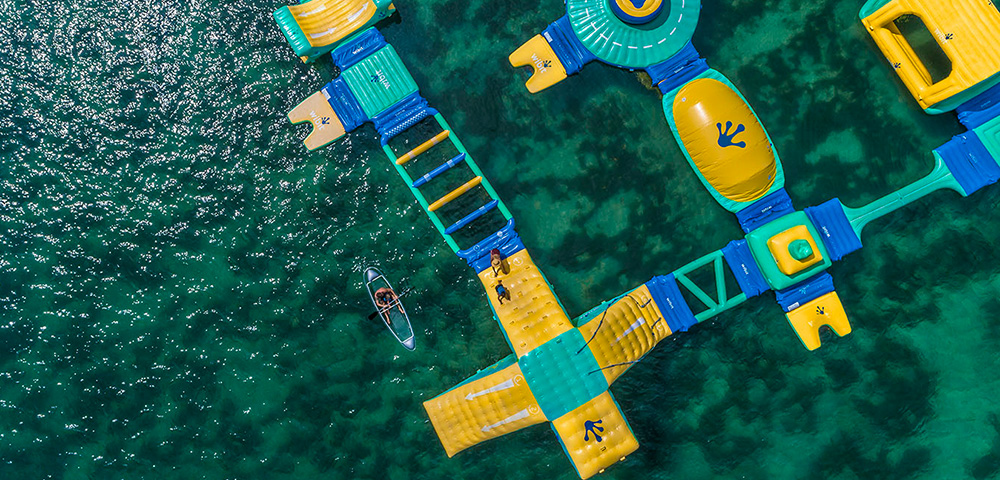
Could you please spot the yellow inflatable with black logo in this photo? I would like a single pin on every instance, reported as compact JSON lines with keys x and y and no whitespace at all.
{"x":725,"y":142}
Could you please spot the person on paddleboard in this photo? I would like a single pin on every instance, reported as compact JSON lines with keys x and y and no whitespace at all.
{"x":384,"y":298}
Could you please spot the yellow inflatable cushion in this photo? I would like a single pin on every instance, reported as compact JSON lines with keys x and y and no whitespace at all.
{"x":779,"y":247}
{"x":325,"y":22}
{"x":326,"y":126}
{"x":595,"y":435}
{"x":483,"y":409}
{"x":725,"y":140}
{"x":533,"y":315}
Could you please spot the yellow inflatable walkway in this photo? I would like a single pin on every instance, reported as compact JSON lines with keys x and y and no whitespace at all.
{"x":482,"y":409}
{"x":532,"y":315}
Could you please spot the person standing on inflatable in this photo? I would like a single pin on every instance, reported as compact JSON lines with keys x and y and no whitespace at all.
{"x":502,"y":292}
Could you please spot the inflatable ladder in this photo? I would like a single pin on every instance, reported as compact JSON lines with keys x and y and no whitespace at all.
{"x":432,"y":207}
{"x":374,"y":86}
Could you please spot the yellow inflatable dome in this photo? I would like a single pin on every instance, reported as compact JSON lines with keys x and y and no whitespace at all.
{"x":725,"y":140}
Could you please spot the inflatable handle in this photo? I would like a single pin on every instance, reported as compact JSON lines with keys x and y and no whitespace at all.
{"x":547,"y":69}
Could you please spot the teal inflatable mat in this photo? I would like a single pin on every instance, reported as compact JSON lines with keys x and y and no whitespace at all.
{"x":618,"y":43}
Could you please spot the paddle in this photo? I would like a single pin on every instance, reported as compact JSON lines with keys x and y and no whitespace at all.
{"x":375,"y":313}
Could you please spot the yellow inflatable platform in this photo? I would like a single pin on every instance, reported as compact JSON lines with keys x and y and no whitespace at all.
{"x":605,"y":438}
{"x":325,"y":22}
{"x":546,"y":68}
{"x":968,"y":31}
{"x":558,"y":373}
{"x":316,"y":27}
{"x":316,"y":110}
{"x":482,"y":409}
{"x":625,"y":332}
{"x":825,"y":310}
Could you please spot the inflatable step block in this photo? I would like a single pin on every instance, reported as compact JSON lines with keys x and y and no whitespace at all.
{"x":980,"y":109}
{"x":971,"y":163}
{"x":834,"y":229}
{"x":989,"y":134}
{"x":808,"y":318}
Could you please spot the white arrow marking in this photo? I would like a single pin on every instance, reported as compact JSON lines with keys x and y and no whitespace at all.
{"x":328,"y":31}
{"x":503,"y":386}
{"x":313,"y":12}
{"x":513,"y":418}
{"x":357,"y":14}
{"x":636,"y":324}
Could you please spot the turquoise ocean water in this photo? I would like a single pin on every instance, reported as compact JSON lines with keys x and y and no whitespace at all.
{"x":180,"y":279}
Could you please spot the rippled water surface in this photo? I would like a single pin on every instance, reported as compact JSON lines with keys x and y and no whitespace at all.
{"x":180,"y":279}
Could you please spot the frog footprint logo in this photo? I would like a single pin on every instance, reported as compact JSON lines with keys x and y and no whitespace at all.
{"x":726,"y":138}
{"x":592,"y":427}
{"x":820,"y":311}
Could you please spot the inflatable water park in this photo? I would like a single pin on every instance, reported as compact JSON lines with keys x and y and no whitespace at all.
{"x":561,"y":367}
